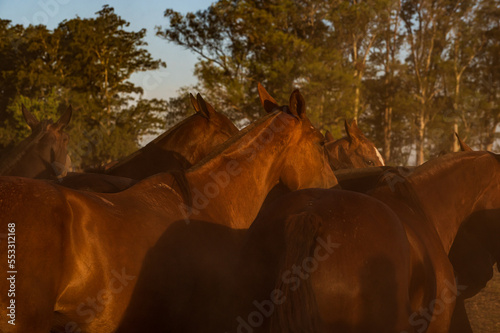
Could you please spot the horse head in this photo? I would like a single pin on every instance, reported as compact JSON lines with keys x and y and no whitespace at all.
{"x":305,"y":164}
{"x":198,"y":135}
{"x":55,"y":144}
{"x":44,"y":154}
{"x":352,"y":151}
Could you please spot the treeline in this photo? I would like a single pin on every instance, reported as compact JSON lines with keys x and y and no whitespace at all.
{"x":85,"y":62}
{"x":411,"y":71}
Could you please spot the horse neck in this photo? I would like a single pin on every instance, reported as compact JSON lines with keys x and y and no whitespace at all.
{"x":230,"y":188}
{"x":448,"y":190}
{"x":188,"y":138}
{"x":34,"y":165}
{"x":164,"y":141}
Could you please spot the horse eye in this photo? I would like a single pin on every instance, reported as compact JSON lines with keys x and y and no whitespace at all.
{"x":370,"y":163}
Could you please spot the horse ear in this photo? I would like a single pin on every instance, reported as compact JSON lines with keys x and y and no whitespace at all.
{"x":194,"y":102}
{"x":329,"y":136}
{"x":297,"y":104}
{"x":205,"y":108}
{"x":266,"y":100}
{"x":31,"y":120}
{"x":65,"y":118}
{"x":352,"y":131}
{"x":463,"y":145}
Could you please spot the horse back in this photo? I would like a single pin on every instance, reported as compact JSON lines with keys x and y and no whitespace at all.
{"x":369,"y":255}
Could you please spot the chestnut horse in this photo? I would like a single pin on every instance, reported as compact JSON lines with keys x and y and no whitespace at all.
{"x":181,"y":146}
{"x":79,"y":253}
{"x":357,"y":263}
{"x":175,"y":150}
{"x":43,"y":154}
{"x":353,"y":150}
{"x":473,"y":255}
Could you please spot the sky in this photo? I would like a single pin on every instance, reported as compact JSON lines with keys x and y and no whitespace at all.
{"x":147,"y":14}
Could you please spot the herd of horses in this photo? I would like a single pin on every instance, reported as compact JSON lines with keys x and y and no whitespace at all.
{"x":274,"y":228}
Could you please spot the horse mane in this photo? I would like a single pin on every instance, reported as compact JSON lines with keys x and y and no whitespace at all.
{"x":17,"y":152}
{"x":231,"y":141}
{"x":181,"y":180}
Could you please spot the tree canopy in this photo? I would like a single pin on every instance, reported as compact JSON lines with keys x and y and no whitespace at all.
{"x":86,"y":63}
{"x":411,"y":71}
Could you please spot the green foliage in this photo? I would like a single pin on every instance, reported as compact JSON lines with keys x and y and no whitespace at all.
{"x":391,"y":63}
{"x":86,"y":63}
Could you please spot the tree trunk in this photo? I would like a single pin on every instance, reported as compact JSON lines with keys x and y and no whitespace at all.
{"x":456,"y":145}
{"x":420,"y":136}
{"x":356,"y":104}
{"x":387,"y":133}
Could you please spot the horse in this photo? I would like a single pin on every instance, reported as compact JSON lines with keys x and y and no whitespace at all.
{"x":181,"y":146}
{"x":475,"y":248}
{"x":84,"y":276}
{"x":352,"y":151}
{"x":44,"y":153}
{"x":175,"y":150}
{"x":331,"y":260}
{"x":473,"y":255}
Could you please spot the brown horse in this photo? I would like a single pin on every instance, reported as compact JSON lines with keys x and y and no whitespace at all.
{"x":43,"y":154}
{"x":473,"y":255}
{"x":475,"y":248}
{"x":379,"y":263}
{"x":175,"y":150}
{"x":181,"y":146}
{"x":83,"y":277}
{"x":353,"y":150}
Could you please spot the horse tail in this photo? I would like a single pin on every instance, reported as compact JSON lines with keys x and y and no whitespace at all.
{"x":299,"y":312}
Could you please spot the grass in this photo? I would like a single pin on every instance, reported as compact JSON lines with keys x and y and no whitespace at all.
{"x":484,"y":308}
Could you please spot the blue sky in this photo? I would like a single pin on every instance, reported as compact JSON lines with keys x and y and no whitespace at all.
{"x":141,"y":14}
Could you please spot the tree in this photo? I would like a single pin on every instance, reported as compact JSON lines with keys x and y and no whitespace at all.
{"x":282,"y":44}
{"x":427,"y":23}
{"x":484,"y":77}
{"x":86,"y":63}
